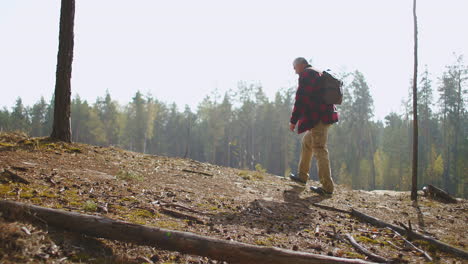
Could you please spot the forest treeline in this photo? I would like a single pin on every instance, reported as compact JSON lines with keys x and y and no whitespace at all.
{"x":245,"y":129}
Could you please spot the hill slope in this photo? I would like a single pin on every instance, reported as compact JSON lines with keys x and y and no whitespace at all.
{"x":181,"y":194}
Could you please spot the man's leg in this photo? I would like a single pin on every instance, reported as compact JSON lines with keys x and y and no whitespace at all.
{"x":319,"y":148}
{"x":306,"y":156}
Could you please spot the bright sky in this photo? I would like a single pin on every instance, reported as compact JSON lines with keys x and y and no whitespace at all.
{"x":180,"y":51}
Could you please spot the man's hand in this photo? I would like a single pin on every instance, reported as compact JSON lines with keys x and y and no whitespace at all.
{"x":292,"y":127}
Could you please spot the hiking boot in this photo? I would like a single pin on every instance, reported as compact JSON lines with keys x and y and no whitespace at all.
{"x":320,"y":191}
{"x":296,"y":179}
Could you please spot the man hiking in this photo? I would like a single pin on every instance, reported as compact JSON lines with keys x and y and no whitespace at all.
{"x":313,"y":116}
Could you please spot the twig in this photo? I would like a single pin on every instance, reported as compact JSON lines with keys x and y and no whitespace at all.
{"x":197,"y":172}
{"x":366,"y":252}
{"x":178,"y":214}
{"x":408,"y":243}
{"x":175,"y":205}
{"x":395,"y":246}
{"x":330,"y":208}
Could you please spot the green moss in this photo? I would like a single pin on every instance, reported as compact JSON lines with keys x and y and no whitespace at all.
{"x":354,"y":255}
{"x":48,"y":194}
{"x":426,"y":245}
{"x":26,"y":195}
{"x":367,"y":240}
{"x":268,"y":242}
{"x":259,"y":168}
{"x":129,"y":176}
{"x":128,"y":199}
{"x":168,"y":224}
{"x":72,"y":149}
{"x":5,"y":144}
{"x":140,"y":216}
{"x":90,"y":206}
{"x":77,"y":204}
{"x":36,"y":200}
{"x":247,"y":175}
{"x":73,"y":198}
{"x":143,"y":213}
{"x":5,"y":189}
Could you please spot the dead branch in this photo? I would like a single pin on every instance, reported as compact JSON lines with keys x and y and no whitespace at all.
{"x":330,"y":208}
{"x":197,"y":172}
{"x":261,"y":205}
{"x":181,"y":215}
{"x":395,"y":246}
{"x":175,"y":205}
{"x":411,"y":234}
{"x":411,"y":245}
{"x":366,"y":252}
{"x":184,"y":242}
{"x":7,"y":176}
{"x":317,"y":230}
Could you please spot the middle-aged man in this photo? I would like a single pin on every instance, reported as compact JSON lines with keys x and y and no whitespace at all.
{"x":313,"y":116}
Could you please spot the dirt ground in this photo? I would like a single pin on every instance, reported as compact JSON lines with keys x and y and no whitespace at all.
{"x":246,"y":206}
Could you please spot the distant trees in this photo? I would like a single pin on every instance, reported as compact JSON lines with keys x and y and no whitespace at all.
{"x":61,"y":129}
{"x":244,"y":128}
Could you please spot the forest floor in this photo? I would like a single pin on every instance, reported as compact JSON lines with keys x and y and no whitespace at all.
{"x":246,"y":206}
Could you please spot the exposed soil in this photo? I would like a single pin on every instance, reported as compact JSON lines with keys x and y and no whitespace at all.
{"x":247,"y":206}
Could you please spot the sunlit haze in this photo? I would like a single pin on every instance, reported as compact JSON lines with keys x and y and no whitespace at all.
{"x":180,"y":51}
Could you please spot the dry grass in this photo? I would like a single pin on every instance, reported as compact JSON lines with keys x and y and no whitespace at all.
{"x":246,"y":206}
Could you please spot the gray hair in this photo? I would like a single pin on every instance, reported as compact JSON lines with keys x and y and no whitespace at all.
{"x":300,"y":60}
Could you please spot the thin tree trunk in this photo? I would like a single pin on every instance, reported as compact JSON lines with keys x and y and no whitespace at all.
{"x":62,"y":127}
{"x":414,"y":182}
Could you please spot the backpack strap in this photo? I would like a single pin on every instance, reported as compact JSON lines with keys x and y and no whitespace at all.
{"x":316,"y":70}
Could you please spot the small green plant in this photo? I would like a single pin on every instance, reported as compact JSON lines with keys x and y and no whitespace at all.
{"x":129,"y":176}
{"x":90,"y":206}
{"x":259,"y":168}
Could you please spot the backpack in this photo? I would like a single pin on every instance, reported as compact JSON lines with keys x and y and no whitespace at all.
{"x":332,"y":94}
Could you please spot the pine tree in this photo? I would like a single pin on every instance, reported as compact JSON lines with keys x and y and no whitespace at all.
{"x":19,"y":117}
{"x":38,"y":115}
{"x":62,"y":128}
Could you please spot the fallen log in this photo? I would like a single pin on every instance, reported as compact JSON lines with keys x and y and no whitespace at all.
{"x":184,"y":242}
{"x":411,"y":234}
{"x":436,"y":193}
{"x":366,"y":252}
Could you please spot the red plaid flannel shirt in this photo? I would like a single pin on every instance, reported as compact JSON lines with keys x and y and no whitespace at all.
{"x":309,"y":107}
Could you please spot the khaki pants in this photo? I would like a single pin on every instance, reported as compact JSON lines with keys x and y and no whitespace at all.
{"x":314,"y":142}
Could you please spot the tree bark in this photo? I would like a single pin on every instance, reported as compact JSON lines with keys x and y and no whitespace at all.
{"x":184,"y":242}
{"x":414,"y":182}
{"x":62,"y":128}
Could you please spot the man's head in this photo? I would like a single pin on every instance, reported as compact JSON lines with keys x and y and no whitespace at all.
{"x":300,"y":64}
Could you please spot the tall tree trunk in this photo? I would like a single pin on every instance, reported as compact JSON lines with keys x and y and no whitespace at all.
{"x":414,"y":182}
{"x":61,"y":127}
{"x":371,"y":159}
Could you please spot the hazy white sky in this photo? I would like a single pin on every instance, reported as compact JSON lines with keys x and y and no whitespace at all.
{"x":180,"y":51}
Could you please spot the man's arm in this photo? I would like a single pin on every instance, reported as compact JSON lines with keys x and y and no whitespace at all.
{"x":298,"y":109}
